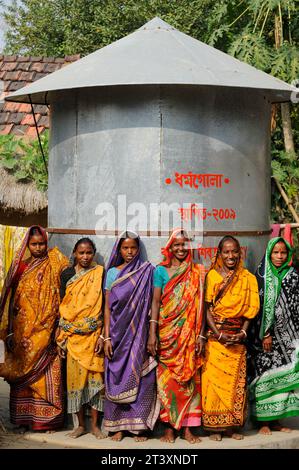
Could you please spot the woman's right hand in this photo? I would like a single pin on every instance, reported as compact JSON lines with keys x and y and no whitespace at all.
{"x":226,"y":339}
{"x":108,"y":350}
{"x":267,"y":344}
{"x":200,"y":345}
{"x":152,"y":344}
{"x":99,"y":346}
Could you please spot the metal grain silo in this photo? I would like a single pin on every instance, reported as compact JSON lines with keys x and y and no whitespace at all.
{"x":159,"y":117}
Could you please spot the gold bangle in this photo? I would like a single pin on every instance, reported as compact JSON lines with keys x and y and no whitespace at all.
{"x":156,"y":321}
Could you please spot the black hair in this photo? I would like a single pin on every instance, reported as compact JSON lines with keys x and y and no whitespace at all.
{"x":227,"y":238}
{"x":35,"y":231}
{"x":130,"y":235}
{"x":183,"y":233}
{"x":85,"y":240}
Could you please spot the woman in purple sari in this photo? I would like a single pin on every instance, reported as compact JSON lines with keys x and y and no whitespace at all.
{"x":131,"y":399}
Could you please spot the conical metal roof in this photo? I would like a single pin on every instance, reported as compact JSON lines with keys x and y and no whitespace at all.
{"x":155,"y":54}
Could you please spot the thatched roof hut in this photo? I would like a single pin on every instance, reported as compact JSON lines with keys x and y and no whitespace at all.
{"x":21,"y":204}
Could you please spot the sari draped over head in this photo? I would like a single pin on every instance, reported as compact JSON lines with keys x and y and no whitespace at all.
{"x":33,"y":367}
{"x":80,"y":326}
{"x":180,"y":321}
{"x":271,"y":281}
{"x":274,"y":376}
{"x":131,"y":402}
{"x":232,"y":300}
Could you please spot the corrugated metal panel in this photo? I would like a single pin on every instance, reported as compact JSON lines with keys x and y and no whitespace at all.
{"x":155,"y":54}
{"x":133,"y":143}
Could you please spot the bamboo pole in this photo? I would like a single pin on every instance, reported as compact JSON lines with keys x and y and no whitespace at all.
{"x":287,"y":127}
{"x":287,"y":201}
{"x":291,"y":225}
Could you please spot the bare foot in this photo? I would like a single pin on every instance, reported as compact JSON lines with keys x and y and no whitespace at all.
{"x":79,"y":431}
{"x":118,"y":436}
{"x":98,"y":434}
{"x":265,"y":431}
{"x":237,"y":436}
{"x":279,"y":427}
{"x":215,"y":436}
{"x":141,"y":438}
{"x":234,"y":435}
{"x":188,"y":436}
{"x":168,"y":436}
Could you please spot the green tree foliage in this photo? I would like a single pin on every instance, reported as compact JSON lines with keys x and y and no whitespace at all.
{"x":270,"y":42}
{"x":63,"y":27}
{"x":23,"y":159}
{"x":263,"y":33}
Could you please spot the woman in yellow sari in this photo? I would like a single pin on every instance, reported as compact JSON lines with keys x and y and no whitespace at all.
{"x":29,"y":310}
{"x":232,"y":300}
{"x":175,"y":327}
{"x":80,"y":335}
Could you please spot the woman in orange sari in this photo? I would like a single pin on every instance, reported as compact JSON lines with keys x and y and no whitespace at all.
{"x":29,"y":310}
{"x":175,"y":327}
{"x":80,"y":339}
{"x":232,"y":300}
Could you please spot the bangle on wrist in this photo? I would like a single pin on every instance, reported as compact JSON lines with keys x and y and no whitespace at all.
{"x":106,"y":339}
{"x":219,"y":337}
{"x":243,"y":331}
{"x":9,"y":334}
{"x":155,"y":321}
{"x":203,"y":337}
{"x":102,"y":337}
{"x":267,"y":335}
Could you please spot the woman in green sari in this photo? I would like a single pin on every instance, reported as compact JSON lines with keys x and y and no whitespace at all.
{"x":274,"y":358}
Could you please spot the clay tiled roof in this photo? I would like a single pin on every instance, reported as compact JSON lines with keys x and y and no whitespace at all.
{"x":16,"y":72}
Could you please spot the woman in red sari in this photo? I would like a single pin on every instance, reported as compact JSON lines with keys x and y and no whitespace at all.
{"x":175,"y":330}
{"x":29,"y":312}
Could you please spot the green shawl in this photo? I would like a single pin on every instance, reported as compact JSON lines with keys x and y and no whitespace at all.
{"x":273,"y":278}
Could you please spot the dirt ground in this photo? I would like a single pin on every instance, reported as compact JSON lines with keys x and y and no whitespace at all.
{"x":17,"y":441}
{"x":8,"y":438}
